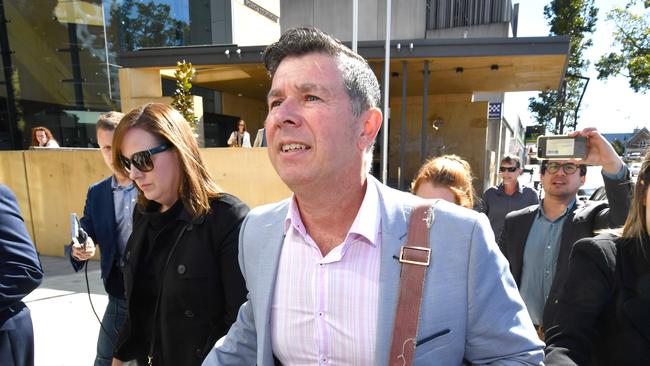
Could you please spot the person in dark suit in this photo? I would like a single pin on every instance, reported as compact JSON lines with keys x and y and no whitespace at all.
{"x":20,"y":274}
{"x":537,"y":240}
{"x":603,"y":310}
{"x":182,"y":279}
{"x":107,"y":220}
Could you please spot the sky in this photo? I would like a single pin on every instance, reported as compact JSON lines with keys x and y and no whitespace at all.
{"x":609,"y":105}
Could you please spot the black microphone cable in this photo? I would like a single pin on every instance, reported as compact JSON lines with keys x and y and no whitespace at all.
{"x":93,"y":307}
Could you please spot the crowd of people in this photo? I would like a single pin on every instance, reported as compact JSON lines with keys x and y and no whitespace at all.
{"x":336,"y":273}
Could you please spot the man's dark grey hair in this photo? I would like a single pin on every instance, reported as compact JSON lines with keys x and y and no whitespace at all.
{"x":109,"y":120}
{"x":360,"y":82}
{"x":511,"y":159}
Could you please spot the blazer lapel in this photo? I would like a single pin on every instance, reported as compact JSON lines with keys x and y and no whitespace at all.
{"x":272,"y":235}
{"x":515,"y":252}
{"x":108,"y":221}
{"x":394,"y":229}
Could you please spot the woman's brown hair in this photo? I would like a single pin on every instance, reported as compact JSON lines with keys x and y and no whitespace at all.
{"x":35,"y":141}
{"x":634,"y":227}
{"x":169,"y":126}
{"x":448,"y":171}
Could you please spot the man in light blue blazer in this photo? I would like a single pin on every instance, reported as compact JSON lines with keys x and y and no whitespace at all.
{"x":306,"y":259}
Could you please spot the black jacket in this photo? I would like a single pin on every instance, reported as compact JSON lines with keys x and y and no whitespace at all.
{"x":583,"y":220}
{"x":202,"y":285}
{"x":603,"y":313}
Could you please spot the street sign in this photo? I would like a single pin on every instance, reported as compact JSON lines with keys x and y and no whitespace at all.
{"x":494,"y":110}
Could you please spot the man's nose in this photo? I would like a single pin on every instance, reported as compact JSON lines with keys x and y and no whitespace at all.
{"x":286,"y":114}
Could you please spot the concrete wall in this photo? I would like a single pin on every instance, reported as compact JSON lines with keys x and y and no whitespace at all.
{"x":252,"y":111}
{"x":462,"y":132}
{"x":52,"y":183}
{"x":498,"y":30}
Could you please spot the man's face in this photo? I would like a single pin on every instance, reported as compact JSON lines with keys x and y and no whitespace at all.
{"x":105,"y":142}
{"x":560,"y":184}
{"x":313,"y":137}
{"x":508,"y":177}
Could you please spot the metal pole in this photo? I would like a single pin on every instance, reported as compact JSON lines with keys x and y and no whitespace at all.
{"x":425,"y":111}
{"x":7,"y":69}
{"x":355,"y":24}
{"x":108,"y":68}
{"x":402,"y":132}
{"x":384,"y":133}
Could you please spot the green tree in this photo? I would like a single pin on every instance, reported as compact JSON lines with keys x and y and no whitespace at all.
{"x":632,"y":38}
{"x":618,"y":147}
{"x":137,"y":24}
{"x":182,"y":98}
{"x":557,"y":110}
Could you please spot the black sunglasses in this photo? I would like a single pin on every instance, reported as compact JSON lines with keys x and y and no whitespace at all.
{"x":510,"y":169}
{"x":142,"y":159}
{"x":569,"y":168}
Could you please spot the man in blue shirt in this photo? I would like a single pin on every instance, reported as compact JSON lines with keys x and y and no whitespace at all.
{"x":537,"y":240}
{"x":108,"y":220}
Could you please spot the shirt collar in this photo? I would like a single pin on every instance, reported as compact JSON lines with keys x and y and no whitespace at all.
{"x":502,"y":188}
{"x":366,"y":223}
{"x":541,"y":213}
{"x":115,"y":186}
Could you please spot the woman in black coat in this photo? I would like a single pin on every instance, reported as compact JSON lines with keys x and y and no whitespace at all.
{"x":182,"y":279}
{"x":603,"y":314}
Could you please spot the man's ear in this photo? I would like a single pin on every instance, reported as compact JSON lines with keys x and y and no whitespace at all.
{"x":371,"y":121}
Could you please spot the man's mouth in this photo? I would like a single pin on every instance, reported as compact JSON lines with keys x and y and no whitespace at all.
{"x":293,"y":147}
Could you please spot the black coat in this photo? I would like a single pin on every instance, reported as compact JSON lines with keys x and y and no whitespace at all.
{"x":584,"y":219}
{"x":202,"y":285}
{"x":603,"y":313}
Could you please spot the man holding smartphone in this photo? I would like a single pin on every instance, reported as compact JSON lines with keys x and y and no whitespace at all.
{"x":107,"y":220}
{"x":537,"y":240}
{"x":508,"y":196}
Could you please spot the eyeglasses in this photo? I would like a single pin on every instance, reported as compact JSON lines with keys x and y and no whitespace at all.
{"x":510,"y":169}
{"x":142,"y":159}
{"x":569,"y":168}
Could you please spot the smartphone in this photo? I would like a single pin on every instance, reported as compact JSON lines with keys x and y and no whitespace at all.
{"x":561,"y":147}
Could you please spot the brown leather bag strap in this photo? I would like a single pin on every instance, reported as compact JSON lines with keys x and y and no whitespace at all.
{"x":415,"y":257}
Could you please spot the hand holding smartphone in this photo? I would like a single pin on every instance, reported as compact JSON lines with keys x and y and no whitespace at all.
{"x":562,"y":147}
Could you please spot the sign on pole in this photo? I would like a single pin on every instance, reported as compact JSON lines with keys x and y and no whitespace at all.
{"x":494,"y":110}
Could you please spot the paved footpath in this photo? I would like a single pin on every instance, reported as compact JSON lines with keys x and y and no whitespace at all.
{"x":65,"y":328}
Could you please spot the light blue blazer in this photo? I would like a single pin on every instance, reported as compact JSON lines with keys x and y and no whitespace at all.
{"x":471,"y":309}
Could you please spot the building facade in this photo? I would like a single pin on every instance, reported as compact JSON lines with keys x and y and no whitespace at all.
{"x":60,"y":58}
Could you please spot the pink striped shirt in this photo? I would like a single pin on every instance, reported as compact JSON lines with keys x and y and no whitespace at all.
{"x":325,"y":308}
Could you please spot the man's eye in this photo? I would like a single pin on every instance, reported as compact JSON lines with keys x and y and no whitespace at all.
{"x":311,"y":98}
{"x":275,"y":103}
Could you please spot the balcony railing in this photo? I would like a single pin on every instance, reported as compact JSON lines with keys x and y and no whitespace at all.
{"x":442,"y":14}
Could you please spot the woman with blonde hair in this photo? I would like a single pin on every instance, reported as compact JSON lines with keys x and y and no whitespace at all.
{"x":447,"y":177}
{"x":603,"y":311}
{"x":182,"y":280}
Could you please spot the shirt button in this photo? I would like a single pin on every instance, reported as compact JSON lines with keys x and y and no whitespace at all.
{"x":320,"y":313}
{"x":181,"y":269}
{"x":189,"y":313}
